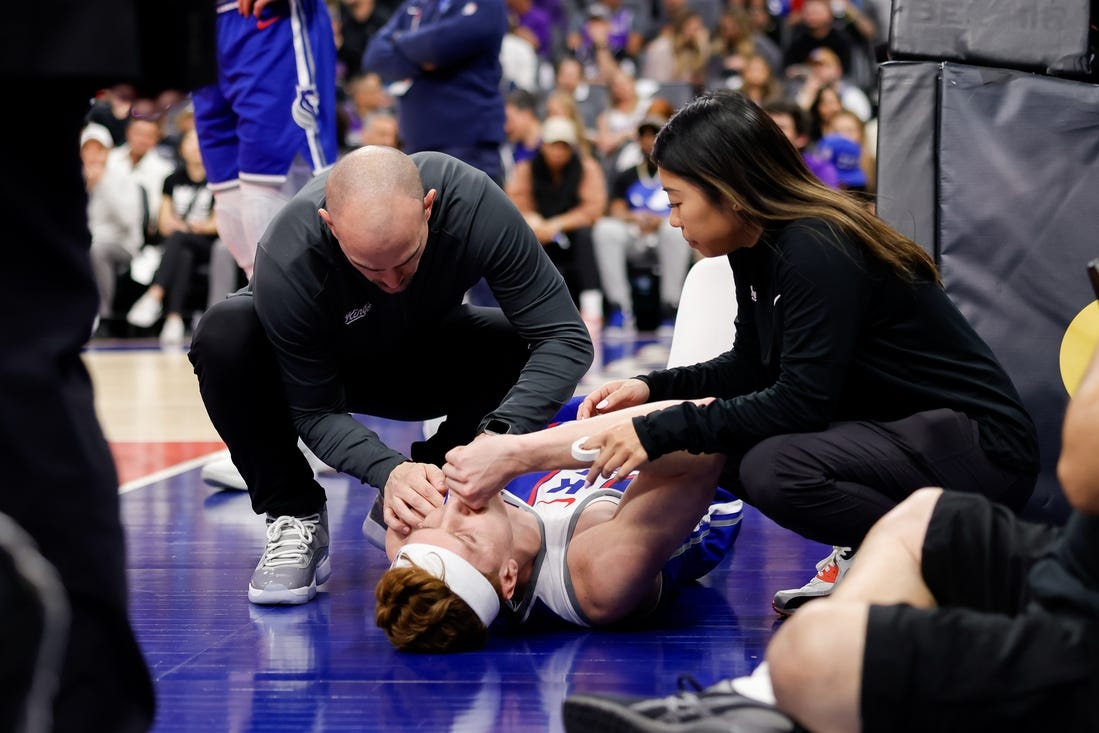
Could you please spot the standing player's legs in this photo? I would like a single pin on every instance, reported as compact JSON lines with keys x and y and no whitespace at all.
{"x":269,"y":124}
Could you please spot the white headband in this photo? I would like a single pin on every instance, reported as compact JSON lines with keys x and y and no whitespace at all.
{"x":464,"y":580}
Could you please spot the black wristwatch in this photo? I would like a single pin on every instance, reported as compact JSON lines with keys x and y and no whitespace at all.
{"x":496,"y":426}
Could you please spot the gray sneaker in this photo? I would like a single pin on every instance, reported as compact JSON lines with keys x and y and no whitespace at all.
{"x":830,"y":572}
{"x":716,"y":709}
{"x":374,"y":527}
{"x":295,"y":560}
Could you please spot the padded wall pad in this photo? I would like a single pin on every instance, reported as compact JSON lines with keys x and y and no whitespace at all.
{"x":1048,"y":36}
{"x":906,"y":159}
{"x":1019,"y":220}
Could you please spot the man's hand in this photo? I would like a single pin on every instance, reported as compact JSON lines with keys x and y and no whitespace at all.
{"x":252,"y":7}
{"x":412,"y":491}
{"x":613,"y":396}
{"x":478,"y":471}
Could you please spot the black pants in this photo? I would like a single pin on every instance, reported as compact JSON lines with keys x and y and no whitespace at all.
{"x":998,"y":652}
{"x":183,"y":252}
{"x":576,"y":262}
{"x":461,"y":367}
{"x":59,"y":482}
{"x":833,"y":485}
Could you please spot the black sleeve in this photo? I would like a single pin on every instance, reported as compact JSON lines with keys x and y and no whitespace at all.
{"x":820,"y":294}
{"x":298,"y":328}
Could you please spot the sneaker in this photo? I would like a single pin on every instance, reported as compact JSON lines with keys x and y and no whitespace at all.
{"x":830,"y":571}
{"x":144,"y":312}
{"x":319,"y":467}
{"x":294,"y":562}
{"x":173,"y":331}
{"x":222,"y":474}
{"x":374,"y":527}
{"x":697,"y":710}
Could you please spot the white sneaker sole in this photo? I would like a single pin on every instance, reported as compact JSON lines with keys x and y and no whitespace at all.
{"x":291,"y":596}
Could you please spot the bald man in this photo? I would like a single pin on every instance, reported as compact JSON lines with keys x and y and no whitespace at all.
{"x":356,"y":306}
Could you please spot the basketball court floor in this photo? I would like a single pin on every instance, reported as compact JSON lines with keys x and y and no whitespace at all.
{"x":223,"y":665}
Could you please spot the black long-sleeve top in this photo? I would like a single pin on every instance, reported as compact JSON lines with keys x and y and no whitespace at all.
{"x":826,"y":333}
{"x":319,"y":312}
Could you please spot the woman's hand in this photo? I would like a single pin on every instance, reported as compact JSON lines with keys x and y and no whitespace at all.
{"x":613,"y":396}
{"x":620,"y":452}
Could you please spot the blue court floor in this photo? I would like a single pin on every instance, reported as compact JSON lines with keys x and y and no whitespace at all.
{"x":221,"y":664}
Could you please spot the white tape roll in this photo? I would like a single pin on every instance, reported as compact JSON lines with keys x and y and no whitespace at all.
{"x":587,"y":455}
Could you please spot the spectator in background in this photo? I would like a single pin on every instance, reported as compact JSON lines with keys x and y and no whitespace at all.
{"x":758,"y":81}
{"x":825,"y":70}
{"x":681,"y":53}
{"x":607,"y":35}
{"x":188,"y":228}
{"x":522,"y":127}
{"x":449,"y":52}
{"x":140,"y":158}
{"x":794,"y":123}
{"x":381,"y":129}
{"x":534,"y":25}
{"x":569,"y":78}
{"x":735,"y":39}
{"x":825,"y":105}
{"x":561,"y":193}
{"x":367,"y":96}
{"x":560,"y":103}
{"x":114,"y":214}
{"x":358,"y":21}
{"x":520,"y":66}
{"x":617,"y":124}
{"x":635,"y":225}
{"x":816,"y":28}
{"x":844,"y":145}
{"x":111,"y":109}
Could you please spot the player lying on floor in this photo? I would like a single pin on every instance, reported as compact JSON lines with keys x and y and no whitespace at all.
{"x":590,"y":555}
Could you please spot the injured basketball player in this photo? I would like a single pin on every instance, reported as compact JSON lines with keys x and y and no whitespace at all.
{"x":531,"y":526}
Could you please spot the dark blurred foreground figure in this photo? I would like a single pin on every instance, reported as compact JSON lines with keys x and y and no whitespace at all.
{"x":59,"y":481}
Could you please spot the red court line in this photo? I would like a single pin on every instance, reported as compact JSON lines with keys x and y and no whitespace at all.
{"x":137,"y":459}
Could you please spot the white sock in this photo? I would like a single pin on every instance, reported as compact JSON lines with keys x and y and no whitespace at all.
{"x":259,"y":204}
{"x":756,"y":685}
{"x":229,"y":209}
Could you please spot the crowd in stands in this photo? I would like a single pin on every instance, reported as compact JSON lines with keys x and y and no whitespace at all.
{"x":599,"y":75}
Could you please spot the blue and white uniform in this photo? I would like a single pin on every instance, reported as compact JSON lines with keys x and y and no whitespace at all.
{"x":558,"y":498}
{"x":275,"y":96}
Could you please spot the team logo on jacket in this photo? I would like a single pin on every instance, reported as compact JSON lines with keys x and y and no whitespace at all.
{"x":355,"y":314}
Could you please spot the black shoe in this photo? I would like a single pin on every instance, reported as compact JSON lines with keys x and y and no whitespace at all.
{"x":374,"y":525}
{"x":712,"y":710}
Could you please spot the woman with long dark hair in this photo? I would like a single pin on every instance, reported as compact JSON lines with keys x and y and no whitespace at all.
{"x":853,"y":379}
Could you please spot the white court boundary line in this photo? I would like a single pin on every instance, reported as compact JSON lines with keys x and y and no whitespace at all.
{"x":175,"y":470}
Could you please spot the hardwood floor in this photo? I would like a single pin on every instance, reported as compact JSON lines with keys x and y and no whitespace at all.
{"x":222,"y":664}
